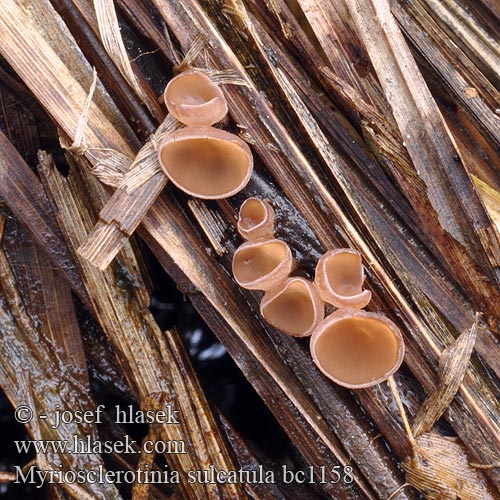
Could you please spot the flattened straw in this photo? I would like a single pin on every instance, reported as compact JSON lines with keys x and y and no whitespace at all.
{"x":395,"y":493}
{"x":145,"y":164}
{"x":141,"y":490}
{"x":110,"y":166}
{"x":174,"y":53}
{"x":109,"y":30}
{"x":7,"y":477}
{"x":79,"y":147}
{"x":485,"y":466}
{"x":453,"y":364}
{"x":197,"y":47}
{"x":225,"y":77}
{"x":402,"y":412}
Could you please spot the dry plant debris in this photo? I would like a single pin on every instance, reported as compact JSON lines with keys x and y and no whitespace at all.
{"x":370,"y":124}
{"x":440,"y":470}
{"x":439,"y":466}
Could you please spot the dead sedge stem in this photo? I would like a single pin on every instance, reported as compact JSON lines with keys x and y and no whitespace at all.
{"x":109,"y":30}
{"x":225,"y":77}
{"x":78,"y":146}
{"x":453,"y":364}
{"x":402,"y":412}
{"x":395,"y":493}
{"x":484,"y":466}
{"x":7,"y":477}
{"x":198,"y":45}
{"x":9,"y":285}
{"x":145,"y":164}
{"x":140,"y":491}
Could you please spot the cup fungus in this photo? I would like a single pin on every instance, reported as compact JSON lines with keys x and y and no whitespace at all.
{"x":357,"y":349}
{"x":206,"y":162}
{"x":256,"y":219}
{"x":339,"y":278}
{"x":294,"y":307}
{"x":262,"y":264}
{"x":194,"y":99}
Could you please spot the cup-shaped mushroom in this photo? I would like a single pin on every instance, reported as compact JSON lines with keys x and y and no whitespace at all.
{"x":194,"y":99}
{"x":256,"y":219}
{"x":357,"y":349}
{"x":339,"y":278}
{"x":262,"y":264}
{"x":206,"y":162}
{"x":294,"y":307}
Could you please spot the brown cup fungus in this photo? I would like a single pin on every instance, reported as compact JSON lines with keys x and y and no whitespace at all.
{"x":262,"y":264}
{"x":293,"y":307}
{"x":357,"y":349}
{"x":206,"y":162}
{"x":339,"y":278}
{"x":194,"y":99}
{"x":256,"y":219}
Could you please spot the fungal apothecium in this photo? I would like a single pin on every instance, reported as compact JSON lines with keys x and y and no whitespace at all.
{"x":354,"y":348}
{"x":262,"y":264}
{"x":256,"y":219}
{"x":294,"y":307}
{"x":203,"y":161}
{"x":206,"y":162}
{"x":194,"y":99}
{"x":351,"y":347}
{"x":357,"y":349}
{"x":339,"y":278}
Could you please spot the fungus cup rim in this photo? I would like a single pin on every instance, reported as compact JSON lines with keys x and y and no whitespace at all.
{"x":317,"y":303}
{"x":343,"y":314}
{"x":217,"y":101}
{"x":284,"y":267}
{"x":328,"y":294}
{"x":211,"y":134}
{"x":268,"y":219}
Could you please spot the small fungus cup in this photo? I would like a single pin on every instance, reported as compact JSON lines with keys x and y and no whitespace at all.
{"x":339,"y":278}
{"x":262,"y":264}
{"x":206,"y":162}
{"x":256,"y":219}
{"x":194,"y":99}
{"x":357,"y":349}
{"x":293,"y":307}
